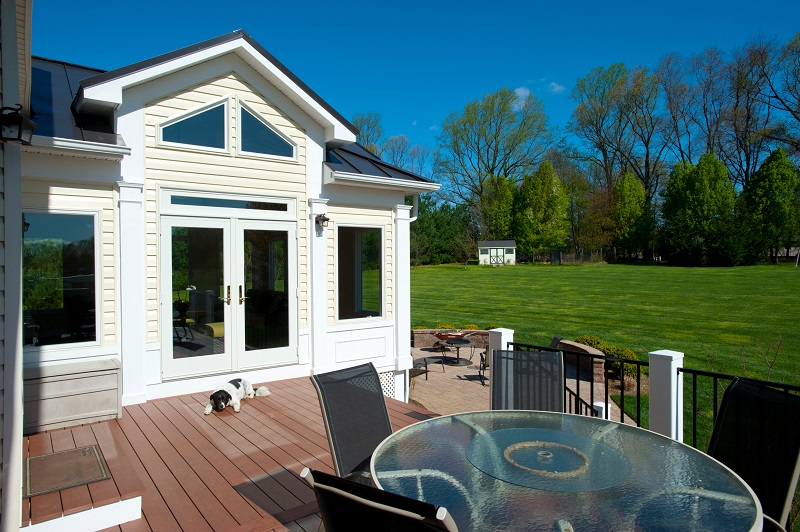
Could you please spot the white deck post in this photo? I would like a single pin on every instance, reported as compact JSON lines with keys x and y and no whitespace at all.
{"x":498,"y":340}
{"x":666,"y":393}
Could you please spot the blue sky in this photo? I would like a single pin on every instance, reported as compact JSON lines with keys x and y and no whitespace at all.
{"x":416,"y":61}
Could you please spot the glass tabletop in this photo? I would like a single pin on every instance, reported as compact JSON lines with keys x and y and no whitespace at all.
{"x":525,"y":470}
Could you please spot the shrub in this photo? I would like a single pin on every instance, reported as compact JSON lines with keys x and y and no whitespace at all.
{"x":612,"y":351}
{"x":440,"y":325}
{"x":492,"y":326}
{"x":469,"y":327}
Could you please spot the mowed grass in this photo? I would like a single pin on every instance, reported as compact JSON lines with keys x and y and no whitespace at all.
{"x":722,"y":319}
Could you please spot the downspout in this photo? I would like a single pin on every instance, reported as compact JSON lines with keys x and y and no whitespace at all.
{"x":415,"y":209}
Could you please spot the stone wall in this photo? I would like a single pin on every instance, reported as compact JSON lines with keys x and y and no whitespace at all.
{"x":427,"y":337}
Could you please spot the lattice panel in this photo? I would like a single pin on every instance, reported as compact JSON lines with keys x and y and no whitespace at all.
{"x":387,"y":383}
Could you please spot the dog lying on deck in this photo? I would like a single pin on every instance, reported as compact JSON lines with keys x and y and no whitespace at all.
{"x":232,"y":393}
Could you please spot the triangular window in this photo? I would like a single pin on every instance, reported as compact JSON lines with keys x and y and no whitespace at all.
{"x":257,"y":137}
{"x":206,"y":128}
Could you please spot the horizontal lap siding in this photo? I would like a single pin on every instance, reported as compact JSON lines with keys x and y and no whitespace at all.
{"x":221,"y":173}
{"x":65,"y":197}
{"x":364,"y":217}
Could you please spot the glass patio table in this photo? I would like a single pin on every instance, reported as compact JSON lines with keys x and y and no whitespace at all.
{"x":530,"y":470}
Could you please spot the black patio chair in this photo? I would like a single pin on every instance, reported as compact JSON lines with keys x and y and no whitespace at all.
{"x":423,"y":362}
{"x":347,"y":505}
{"x":757,"y":434}
{"x":356,"y":418}
{"x":555,"y":341}
{"x":527,"y":380}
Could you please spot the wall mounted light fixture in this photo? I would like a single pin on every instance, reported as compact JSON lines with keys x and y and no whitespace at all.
{"x":322,"y":220}
{"x":15,"y":126}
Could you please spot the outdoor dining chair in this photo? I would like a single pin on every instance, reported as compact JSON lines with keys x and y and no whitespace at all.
{"x":356,"y":418}
{"x":527,"y":380}
{"x":347,"y":505}
{"x":757,"y":434}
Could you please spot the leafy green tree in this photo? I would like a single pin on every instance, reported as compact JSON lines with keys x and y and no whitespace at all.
{"x":497,"y":206}
{"x":697,"y":213}
{"x":770,"y":205}
{"x":502,"y":134}
{"x":437,"y":230}
{"x":370,"y":131}
{"x":540,"y":215}
{"x":629,"y":213}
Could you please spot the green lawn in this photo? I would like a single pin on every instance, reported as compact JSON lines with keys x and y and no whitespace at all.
{"x":723,"y":319}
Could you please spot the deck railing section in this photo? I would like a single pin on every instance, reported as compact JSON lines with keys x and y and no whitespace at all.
{"x":598,"y":404}
{"x":694,"y":406}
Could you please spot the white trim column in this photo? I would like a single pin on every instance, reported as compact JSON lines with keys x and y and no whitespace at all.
{"x":318,"y":282}
{"x":132,"y":291}
{"x":402,"y":287}
{"x":666,"y":393}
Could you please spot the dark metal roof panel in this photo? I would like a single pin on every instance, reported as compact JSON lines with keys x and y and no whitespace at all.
{"x":354,"y":158}
{"x":497,"y":243}
{"x":53,"y":88}
{"x":142,"y":65}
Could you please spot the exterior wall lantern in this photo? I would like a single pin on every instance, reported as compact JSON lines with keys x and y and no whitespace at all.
{"x":14,"y":126}
{"x":322,"y":220}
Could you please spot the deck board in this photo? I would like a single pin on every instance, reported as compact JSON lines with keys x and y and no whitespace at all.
{"x":224,"y":471}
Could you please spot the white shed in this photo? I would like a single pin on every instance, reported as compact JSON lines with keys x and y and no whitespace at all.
{"x":497,"y":252}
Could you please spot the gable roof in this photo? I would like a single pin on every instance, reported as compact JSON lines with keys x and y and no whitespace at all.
{"x":497,"y":243}
{"x":354,"y":165}
{"x":101,"y":94}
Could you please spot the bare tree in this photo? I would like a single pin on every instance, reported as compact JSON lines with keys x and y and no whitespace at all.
{"x":370,"y":131}
{"x":710,"y":97}
{"x":395,"y":150}
{"x":679,"y":98}
{"x":782,"y":73}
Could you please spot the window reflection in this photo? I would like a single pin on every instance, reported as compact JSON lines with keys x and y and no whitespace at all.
{"x":360,"y":279}
{"x":58,"y":276}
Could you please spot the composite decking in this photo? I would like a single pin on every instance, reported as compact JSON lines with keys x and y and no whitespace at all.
{"x":223,"y":471}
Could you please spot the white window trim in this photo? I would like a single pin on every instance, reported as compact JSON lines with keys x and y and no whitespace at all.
{"x":382,"y":245}
{"x":66,"y":351}
{"x":166,"y":207}
{"x":239,"y":136}
{"x":224,"y":101}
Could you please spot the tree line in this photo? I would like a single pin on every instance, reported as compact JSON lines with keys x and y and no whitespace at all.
{"x":694,"y":161}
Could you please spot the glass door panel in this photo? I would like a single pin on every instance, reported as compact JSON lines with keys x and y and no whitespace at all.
{"x":266,"y":294}
{"x":196,"y":298}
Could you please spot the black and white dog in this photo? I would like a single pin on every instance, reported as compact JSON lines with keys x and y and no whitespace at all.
{"x":232,"y":393}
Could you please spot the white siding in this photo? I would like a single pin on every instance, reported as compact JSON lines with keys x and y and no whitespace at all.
{"x":362,"y":217}
{"x":194,"y":169}
{"x":62,"y":196}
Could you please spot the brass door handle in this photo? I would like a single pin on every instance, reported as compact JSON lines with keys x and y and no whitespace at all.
{"x":227,"y":299}
{"x":241,"y":297}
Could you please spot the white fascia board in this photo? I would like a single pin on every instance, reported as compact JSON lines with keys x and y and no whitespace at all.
{"x":109,"y":93}
{"x":77,"y":148}
{"x":385,"y":183}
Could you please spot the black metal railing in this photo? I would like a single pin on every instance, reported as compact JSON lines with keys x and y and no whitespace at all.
{"x":575,"y":401}
{"x":693,"y":407}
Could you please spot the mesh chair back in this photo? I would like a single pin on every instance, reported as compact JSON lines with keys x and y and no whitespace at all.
{"x":757,"y":434}
{"x":527,"y":380}
{"x":347,"y":505}
{"x":355,"y":415}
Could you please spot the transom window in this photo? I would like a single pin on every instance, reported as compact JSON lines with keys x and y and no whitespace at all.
{"x":360,"y":279}
{"x":206,"y":128}
{"x":58,"y":279}
{"x":258,"y":137}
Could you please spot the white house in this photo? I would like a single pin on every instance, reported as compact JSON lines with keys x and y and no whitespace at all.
{"x":497,"y":252}
{"x":195,"y":216}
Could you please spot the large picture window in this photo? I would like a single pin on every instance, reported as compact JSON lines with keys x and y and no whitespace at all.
{"x":360,"y":279}
{"x":58,"y":279}
{"x":205,"y":129}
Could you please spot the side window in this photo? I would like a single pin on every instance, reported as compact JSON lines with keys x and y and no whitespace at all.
{"x":58,"y":279}
{"x":360,"y":280}
{"x":258,"y":137}
{"x":205,"y":128}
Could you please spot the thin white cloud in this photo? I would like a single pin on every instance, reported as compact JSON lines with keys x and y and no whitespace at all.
{"x":555,"y":88}
{"x":414,"y":123}
{"x":522,"y":95}
{"x":434,"y":127}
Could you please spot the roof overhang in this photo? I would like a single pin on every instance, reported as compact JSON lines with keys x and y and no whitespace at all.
{"x":102,"y":94}
{"x":77,"y":148}
{"x":385,"y":183}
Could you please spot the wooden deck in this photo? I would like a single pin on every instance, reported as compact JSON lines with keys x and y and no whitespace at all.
{"x":223,"y":471}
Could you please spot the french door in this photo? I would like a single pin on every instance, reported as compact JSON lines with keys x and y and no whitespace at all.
{"x":228,"y":295}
